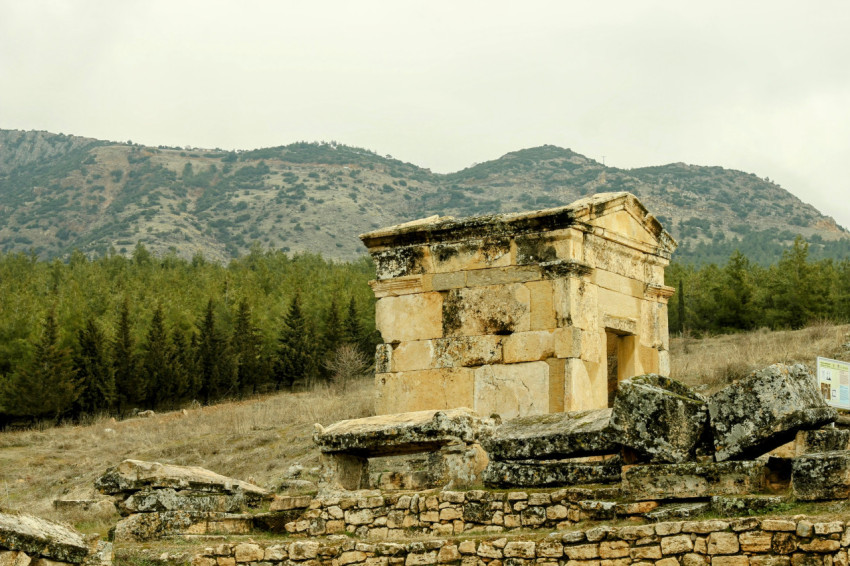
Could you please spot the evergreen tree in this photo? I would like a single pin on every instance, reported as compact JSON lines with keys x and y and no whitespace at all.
{"x":296,"y":360}
{"x":215,"y":364}
{"x":47,"y":386}
{"x":156,"y":363}
{"x":97,"y":380}
{"x":129,"y":381}
{"x":353,"y":332}
{"x":247,"y":343}
{"x":333,"y":336}
{"x":734,"y":296}
{"x":183,"y":367}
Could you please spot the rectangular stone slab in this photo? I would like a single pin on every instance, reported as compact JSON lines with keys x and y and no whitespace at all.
{"x":135,"y":475}
{"x":765,"y":410}
{"x":659,"y":418}
{"x":693,"y":480}
{"x":40,"y":537}
{"x":554,"y":436}
{"x":158,"y":500}
{"x":401,"y":433}
{"x":548,"y":473}
{"x":824,"y":475}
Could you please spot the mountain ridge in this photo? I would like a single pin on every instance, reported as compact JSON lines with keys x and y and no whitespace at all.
{"x":61,"y":192}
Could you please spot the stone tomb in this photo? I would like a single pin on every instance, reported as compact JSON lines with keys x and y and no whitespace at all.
{"x":520,"y":314}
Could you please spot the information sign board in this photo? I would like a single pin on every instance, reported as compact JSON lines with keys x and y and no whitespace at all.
{"x":834,"y":382}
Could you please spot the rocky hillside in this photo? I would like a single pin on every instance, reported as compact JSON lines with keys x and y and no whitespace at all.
{"x":61,"y":192}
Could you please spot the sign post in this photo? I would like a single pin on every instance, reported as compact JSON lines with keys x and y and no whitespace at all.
{"x":834,"y":382}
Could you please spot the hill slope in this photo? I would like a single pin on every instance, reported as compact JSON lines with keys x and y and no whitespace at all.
{"x":61,"y":192}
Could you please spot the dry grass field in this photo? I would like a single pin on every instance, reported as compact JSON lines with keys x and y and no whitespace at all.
{"x":261,"y":438}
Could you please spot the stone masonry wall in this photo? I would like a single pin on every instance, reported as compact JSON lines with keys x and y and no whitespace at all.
{"x":741,"y":542}
{"x":445,"y":513}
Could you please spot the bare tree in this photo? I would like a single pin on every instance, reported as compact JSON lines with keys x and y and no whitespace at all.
{"x":345,"y":364}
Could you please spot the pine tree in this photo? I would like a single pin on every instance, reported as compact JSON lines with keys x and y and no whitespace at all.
{"x":296,"y":360}
{"x":215,"y":364}
{"x":47,"y":386}
{"x":129,"y":382}
{"x":156,"y":363}
{"x":333,"y":336}
{"x":353,"y":332}
{"x":97,"y":380}
{"x":247,"y":343}
{"x":182,"y":363}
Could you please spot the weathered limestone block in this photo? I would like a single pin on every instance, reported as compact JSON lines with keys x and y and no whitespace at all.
{"x":659,"y":418}
{"x":554,"y":436}
{"x":135,"y":475}
{"x":168,"y":499}
{"x":743,"y":505}
{"x":529,"y":346}
{"x":408,"y":391}
{"x":39,"y":537}
{"x":546,"y":473}
{"x":14,"y":558}
{"x":467,"y":351}
{"x":823,"y":475}
{"x":499,"y":309}
{"x":402,"y":433}
{"x":402,"y":261}
{"x":670,"y":481}
{"x":471,"y":254}
{"x":764,"y":410}
{"x":142,"y":527}
{"x":410,"y":317}
{"x":821,"y":440}
{"x":512,"y":390}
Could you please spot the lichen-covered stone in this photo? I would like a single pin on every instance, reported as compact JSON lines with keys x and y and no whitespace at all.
{"x":824,"y":475}
{"x":136,"y":475}
{"x":659,"y":418}
{"x":39,"y":537}
{"x":765,"y":410}
{"x":743,"y":505}
{"x":402,"y":433}
{"x":142,"y":527}
{"x":168,"y":499}
{"x":554,"y":436}
{"x":692,"y":479}
{"x":822,"y":440}
{"x":678,"y":511}
{"x":546,"y":473}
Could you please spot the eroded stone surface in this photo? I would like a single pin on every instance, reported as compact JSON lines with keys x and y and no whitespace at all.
{"x":554,"y":436}
{"x":39,"y":537}
{"x":824,"y":475}
{"x":142,"y":527}
{"x":402,"y":433}
{"x":743,"y":505}
{"x":660,"y":418}
{"x":692,"y":479}
{"x":822,"y":440}
{"x":168,"y":499}
{"x":545,"y":473}
{"x":764,"y":410}
{"x":136,"y":475}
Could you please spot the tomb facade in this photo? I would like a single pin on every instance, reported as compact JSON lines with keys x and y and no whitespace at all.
{"x":520,"y":314}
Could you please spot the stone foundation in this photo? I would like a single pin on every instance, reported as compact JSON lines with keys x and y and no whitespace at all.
{"x":741,"y":542}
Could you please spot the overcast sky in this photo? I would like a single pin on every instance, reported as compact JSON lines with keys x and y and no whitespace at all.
{"x":759,"y":86}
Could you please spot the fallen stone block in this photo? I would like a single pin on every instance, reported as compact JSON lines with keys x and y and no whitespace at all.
{"x":554,"y":436}
{"x":824,"y":475}
{"x":136,"y":475}
{"x":659,"y":418}
{"x":158,"y":500}
{"x":402,"y":433}
{"x":693,"y":480}
{"x":546,"y":473}
{"x":765,"y":410}
{"x":743,"y":505}
{"x":142,"y":527}
{"x":39,"y":537}
{"x":821,"y":440}
{"x":675,"y":511}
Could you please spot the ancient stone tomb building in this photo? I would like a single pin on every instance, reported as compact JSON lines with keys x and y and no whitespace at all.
{"x":520,"y":314}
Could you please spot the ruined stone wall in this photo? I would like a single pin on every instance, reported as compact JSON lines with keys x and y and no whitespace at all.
{"x":517,"y":314}
{"x":741,"y":542}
